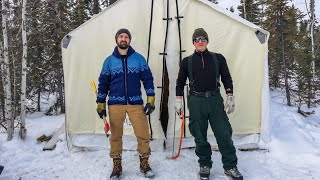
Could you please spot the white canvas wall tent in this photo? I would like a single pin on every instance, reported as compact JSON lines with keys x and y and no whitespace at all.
{"x":162,"y":32}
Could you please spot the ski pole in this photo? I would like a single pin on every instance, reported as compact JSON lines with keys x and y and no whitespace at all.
{"x":181,"y":136}
{"x":105,"y":122}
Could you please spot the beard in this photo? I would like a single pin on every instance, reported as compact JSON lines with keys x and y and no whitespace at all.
{"x":123,"y":45}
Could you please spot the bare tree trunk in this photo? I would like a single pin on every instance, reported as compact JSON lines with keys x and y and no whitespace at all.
{"x":284,"y":59}
{"x":23,"y":130}
{"x":313,"y":65}
{"x":61,"y":96}
{"x":3,"y":110}
{"x":311,"y":85}
{"x":2,"y":100}
{"x":309,"y":92}
{"x":14,"y":91}
{"x":244,"y":9}
{"x":312,"y":23}
{"x":39,"y":98}
{"x":6,"y":73}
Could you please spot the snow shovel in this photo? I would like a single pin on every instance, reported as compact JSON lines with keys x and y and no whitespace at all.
{"x":105,"y":122}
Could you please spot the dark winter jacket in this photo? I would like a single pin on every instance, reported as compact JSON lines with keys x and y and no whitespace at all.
{"x":204,"y":73}
{"x":120,"y":78}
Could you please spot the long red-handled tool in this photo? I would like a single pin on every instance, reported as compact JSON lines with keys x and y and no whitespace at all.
{"x":181,"y":136}
{"x":105,"y":122}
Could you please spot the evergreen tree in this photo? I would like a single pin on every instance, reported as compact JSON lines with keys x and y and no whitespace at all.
{"x":281,"y":22}
{"x":57,"y":26}
{"x":81,"y":12}
{"x":36,"y":60}
{"x":317,"y":48}
{"x":317,"y":60}
{"x":250,"y":10}
{"x":303,"y":66}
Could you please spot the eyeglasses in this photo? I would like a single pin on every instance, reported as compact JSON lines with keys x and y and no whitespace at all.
{"x":203,"y":39}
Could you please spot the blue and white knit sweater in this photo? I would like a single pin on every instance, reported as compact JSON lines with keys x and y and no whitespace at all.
{"x":120,"y":78}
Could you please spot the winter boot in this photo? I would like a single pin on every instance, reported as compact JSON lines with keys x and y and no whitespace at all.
{"x":234,"y":173}
{"x":117,"y":169}
{"x":204,"y":172}
{"x":145,"y":167}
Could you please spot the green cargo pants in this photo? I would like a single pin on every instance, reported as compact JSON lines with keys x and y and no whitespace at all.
{"x":211,"y":108}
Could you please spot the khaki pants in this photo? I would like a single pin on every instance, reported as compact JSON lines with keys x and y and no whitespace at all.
{"x":138,"y":119}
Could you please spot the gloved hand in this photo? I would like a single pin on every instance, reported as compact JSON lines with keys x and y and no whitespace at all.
{"x":149,"y":107}
{"x":101,"y":110}
{"x":178,"y":105}
{"x":229,"y":106}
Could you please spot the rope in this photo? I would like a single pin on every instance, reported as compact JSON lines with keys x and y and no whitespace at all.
{"x":149,"y":42}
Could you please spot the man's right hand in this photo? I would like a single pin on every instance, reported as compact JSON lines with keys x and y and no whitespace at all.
{"x":178,"y":105}
{"x":230,"y":105}
{"x":101,"y":110}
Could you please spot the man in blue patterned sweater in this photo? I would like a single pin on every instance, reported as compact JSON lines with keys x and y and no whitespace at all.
{"x":120,"y":79}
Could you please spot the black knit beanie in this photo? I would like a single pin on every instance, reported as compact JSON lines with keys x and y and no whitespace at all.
{"x":200,"y":32}
{"x":123,"y":30}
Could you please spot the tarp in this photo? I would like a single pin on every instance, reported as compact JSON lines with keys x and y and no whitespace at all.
{"x":229,"y":35}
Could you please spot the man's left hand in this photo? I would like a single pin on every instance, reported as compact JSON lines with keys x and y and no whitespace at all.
{"x":229,"y":106}
{"x":149,"y":107}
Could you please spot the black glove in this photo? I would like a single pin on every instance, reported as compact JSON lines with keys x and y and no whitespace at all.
{"x":149,"y":107}
{"x":101,"y":110}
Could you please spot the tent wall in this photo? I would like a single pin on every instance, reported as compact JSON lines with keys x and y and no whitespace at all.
{"x":92,"y":42}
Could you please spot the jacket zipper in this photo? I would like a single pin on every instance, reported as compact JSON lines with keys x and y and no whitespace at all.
{"x":202,"y":61}
{"x":125,"y":79}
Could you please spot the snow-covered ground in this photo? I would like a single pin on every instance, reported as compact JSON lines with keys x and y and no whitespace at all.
{"x":293,"y":153}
